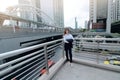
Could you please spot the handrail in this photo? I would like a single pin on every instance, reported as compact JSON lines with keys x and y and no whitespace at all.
{"x":104,"y":39}
{"x":37,"y":60}
{"x":7,"y":68}
{"x":99,"y":43}
{"x":19,"y":51}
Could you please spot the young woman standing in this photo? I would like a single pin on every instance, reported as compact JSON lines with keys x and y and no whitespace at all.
{"x":68,"y":39}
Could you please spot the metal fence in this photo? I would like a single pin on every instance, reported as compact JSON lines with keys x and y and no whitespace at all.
{"x":26,"y":63}
{"x":108,"y":44}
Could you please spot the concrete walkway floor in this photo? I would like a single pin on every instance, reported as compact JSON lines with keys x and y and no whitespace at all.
{"x":77,"y":71}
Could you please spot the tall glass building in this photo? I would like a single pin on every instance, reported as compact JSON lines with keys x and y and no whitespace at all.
{"x":51,"y":11}
{"x":54,"y":9}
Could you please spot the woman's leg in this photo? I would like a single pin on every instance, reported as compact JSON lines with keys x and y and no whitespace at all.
{"x":66,"y":51}
{"x":70,"y":54}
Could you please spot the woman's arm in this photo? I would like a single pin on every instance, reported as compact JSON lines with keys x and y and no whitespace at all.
{"x":64,"y":39}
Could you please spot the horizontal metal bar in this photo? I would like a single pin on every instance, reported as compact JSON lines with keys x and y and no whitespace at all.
{"x":19,"y":59}
{"x":15,"y":66}
{"x":53,"y":45}
{"x":42,"y":50}
{"x":36,"y":75}
{"x":30,"y":41}
{"x":38,"y":71}
{"x":33,"y":71}
{"x":28,"y":73}
{"x":106,"y":39}
{"x":19,"y":51}
{"x":42,"y":64}
{"x":20,"y":69}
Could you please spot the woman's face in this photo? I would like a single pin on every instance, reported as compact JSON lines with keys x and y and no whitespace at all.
{"x":67,"y":31}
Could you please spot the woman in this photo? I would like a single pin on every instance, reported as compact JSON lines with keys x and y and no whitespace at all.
{"x":68,"y":39}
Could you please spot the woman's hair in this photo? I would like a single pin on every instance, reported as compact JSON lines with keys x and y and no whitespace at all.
{"x":66,"y":29}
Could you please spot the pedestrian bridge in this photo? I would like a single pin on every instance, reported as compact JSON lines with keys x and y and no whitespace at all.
{"x":27,"y":63}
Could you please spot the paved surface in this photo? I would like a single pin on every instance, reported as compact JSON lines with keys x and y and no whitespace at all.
{"x":91,"y":56}
{"x":76,"y":71}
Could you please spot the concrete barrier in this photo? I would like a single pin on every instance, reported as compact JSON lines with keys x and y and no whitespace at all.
{"x":100,"y":65}
{"x":53,"y":70}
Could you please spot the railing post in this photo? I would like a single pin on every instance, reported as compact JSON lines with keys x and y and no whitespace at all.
{"x":46,"y":58}
{"x":98,"y":51}
{"x":81,"y":44}
{"x":1,"y":62}
{"x":63,"y":49}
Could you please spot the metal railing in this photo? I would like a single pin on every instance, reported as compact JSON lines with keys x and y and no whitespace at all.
{"x":109,"y":44}
{"x":80,"y":58}
{"x":26,"y":63}
{"x":103,"y":48}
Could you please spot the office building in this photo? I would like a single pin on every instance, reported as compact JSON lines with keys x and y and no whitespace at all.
{"x":115,"y":11}
{"x":115,"y":16}
{"x":51,"y":11}
{"x":54,"y":9}
{"x":98,"y":14}
{"x":86,"y":25}
{"x":104,"y":14}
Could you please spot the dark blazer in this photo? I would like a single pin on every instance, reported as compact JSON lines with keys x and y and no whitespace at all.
{"x":68,"y":45}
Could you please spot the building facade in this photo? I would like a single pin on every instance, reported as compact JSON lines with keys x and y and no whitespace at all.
{"x":51,"y":11}
{"x":54,"y":9}
{"x":86,"y":25}
{"x":58,"y":12}
{"x":115,"y":16}
{"x":103,"y":13}
{"x":98,"y":14}
{"x":115,"y":11}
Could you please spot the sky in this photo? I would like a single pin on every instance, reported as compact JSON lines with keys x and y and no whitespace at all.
{"x":76,"y":8}
{"x":5,"y":3}
{"x":72,"y":9}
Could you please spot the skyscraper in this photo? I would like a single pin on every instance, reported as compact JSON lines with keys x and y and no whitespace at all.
{"x":115,"y":10}
{"x":58,"y":12}
{"x":115,"y":16}
{"x":98,"y":14}
{"x":36,"y":4}
{"x":51,"y":11}
{"x":24,"y":14}
{"x":54,"y":9}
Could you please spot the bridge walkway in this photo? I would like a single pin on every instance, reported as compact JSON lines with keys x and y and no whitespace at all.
{"x":76,"y":71}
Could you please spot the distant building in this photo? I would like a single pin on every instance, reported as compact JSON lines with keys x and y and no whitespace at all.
{"x":54,"y":9}
{"x":36,"y":3}
{"x":98,"y":14}
{"x":103,"y":13}
{"x":51,"y":11}
{"x":86,"y":25}
{"x":115,"y":16}
{"x":76,"y":23}
{"x":25,"y":14}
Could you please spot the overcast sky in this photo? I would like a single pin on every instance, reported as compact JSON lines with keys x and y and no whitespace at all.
{"x":76,"y":8}
{"x":5,"y":3}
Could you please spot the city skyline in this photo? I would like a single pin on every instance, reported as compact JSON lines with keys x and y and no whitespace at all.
{"x":79,"y":10}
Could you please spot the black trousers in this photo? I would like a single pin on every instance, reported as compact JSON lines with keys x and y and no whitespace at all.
{"x":68,"y":52}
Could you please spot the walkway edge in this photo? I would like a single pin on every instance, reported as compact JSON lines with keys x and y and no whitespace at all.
{"x":93,"y":64}
{"x":53,"y":70}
